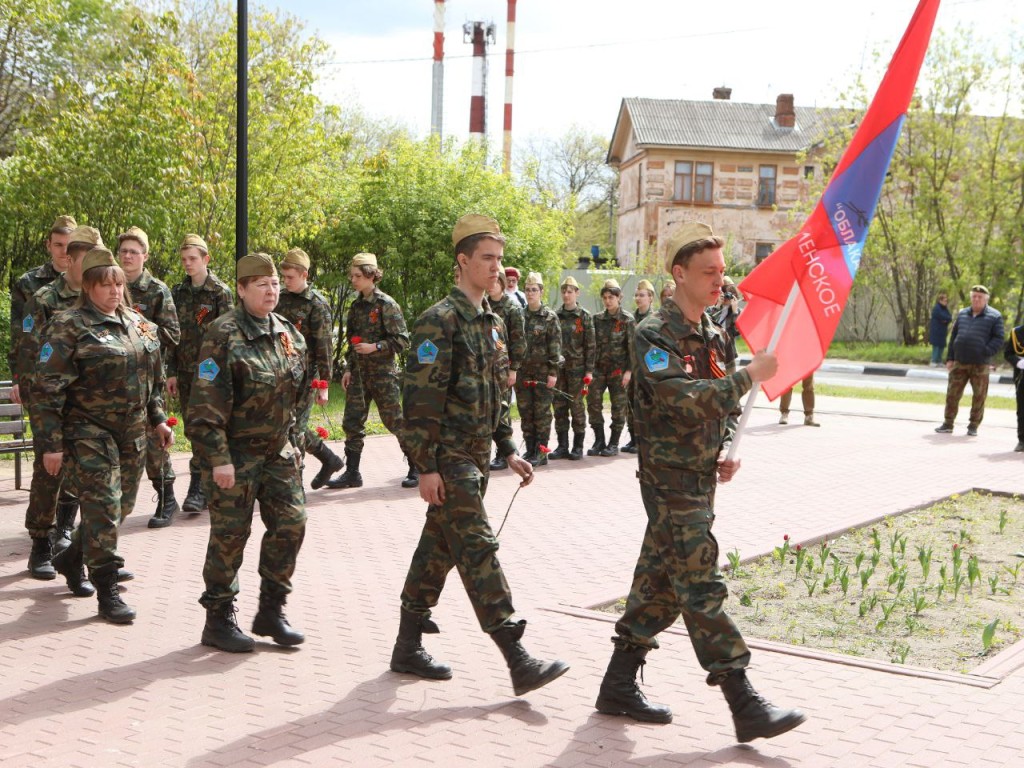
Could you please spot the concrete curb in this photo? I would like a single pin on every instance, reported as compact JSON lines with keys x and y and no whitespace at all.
{"x":871,"y":369}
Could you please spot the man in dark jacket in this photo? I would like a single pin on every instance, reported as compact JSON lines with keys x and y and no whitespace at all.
{"x":977,"y":335}
{"x":938,"y":327}
{"x":1013,"y":352}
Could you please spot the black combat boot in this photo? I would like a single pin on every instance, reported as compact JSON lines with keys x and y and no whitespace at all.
{"x":112,"y":607}
{"x":562,"y":449}
{"x":577,"y":446}
{"x":540,"y":451}
{"x":599,"y":443}
{"x":195,"y":501}
{"x":166,"y":504}
{"x":330,"y":462}
{"x":753,"y":716}
{"x":629,"y":447}
{"x":499,"y":461}
{"x":409,"y":655}
{"x":412,"y":479}
{"x":69,"y":565}
{"x":612,"y":449}
{"x":222,"y":632}
{"x":270,"y":621}
{"x":527,"y":673}
{"x":620,"y":695}
{"x":531,"y":450}
{"x":40,"y":559}
{"x":67,"y":510}
{"x":351,"y":478}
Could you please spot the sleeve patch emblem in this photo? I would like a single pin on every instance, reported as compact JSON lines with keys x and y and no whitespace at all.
{"x":45,"y":353}
{"x":28,"y":324}
{"x":208,"y":370}
{"x":656,"y":359}
{"x":426,"y":353}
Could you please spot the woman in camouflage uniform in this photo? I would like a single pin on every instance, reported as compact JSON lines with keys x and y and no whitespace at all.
{"x":98,"y":383}
{"x":251,"y":375}
{"x":539,"y":372}
{"x":644,"y":298}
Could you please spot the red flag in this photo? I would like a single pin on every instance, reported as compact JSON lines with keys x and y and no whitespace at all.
{"x":818,"y":265}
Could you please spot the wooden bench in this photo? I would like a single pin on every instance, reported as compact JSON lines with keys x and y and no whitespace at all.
{"x":12,"y":422}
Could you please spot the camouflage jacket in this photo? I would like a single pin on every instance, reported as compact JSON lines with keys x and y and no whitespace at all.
{"x":49,"y":300}
{"x":684,"y":417}
{"x":614,"y":341}
{"x":96,"y":375}
{"x":639,"y":317}
{"x":451,"y":398}
{"x":250,"y":377}
{"x":151,"y":298}
{"x":579,"y":345}
{"x":375,"y":319}
{"x":511,"y":315}
{"x":543,"y":343}
{"x":197,"y":308}
{"x":21,"y":291}
{"x":310,"y":313}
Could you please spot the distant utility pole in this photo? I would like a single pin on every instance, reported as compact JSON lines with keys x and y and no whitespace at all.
{"x":437,"y":94}
{"x":242,"y":132}
{"x":510,"y":55}
{"x":480,"y":35}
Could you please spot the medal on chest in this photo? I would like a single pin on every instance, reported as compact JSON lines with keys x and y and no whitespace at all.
{"x":374,"y":315}
{"x":286,"y":342}
{"x":204,"y":310}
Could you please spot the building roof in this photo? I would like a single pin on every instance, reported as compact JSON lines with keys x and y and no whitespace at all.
{"x":715,"y":124}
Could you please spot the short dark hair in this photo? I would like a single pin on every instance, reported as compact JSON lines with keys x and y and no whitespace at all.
{"x":688,"y":251}
{"x":371,"y":271}
{"x":612,"y":291}
{"x":467,"y":245}
{"x":75,"y":248}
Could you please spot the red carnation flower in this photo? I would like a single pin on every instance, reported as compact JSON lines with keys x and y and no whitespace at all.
{"x":797,"y":548}
{"x":357,"y":339}
{"x":543,"y":449}
{"x":587,"y":379}
{"x":322,"y":432}
{"x":617,"y":372}
{"x":786,"y":537}
{"x":172,"y":421}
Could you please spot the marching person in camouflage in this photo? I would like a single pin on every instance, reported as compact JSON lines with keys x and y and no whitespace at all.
{"x":376,"y":335}
{"x":48,"y":501}
{"x":514,"y":340}
{"x":539,"y":372}
{"x":151,"y":298}
{"x":644,"y":298}
{"x":199,"y":299}
{"x":614,"y":331}
{"x":98,"y":385}
{"x":250,"y":378}
{"x":579,"y":353}
{"x":687,"y":410}
{"x":667,"y":290}
{"x":453,"y":409}
{"x":306,"y":308}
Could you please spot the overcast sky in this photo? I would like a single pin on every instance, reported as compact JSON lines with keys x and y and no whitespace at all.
{"x":577,"y":59}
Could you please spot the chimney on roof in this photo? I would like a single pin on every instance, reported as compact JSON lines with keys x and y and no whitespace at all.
{"x":721,"y":93}
{"x":785,"y":114}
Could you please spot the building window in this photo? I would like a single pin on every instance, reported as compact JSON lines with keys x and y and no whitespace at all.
{"x":745,"y":169}
{"x":766,"y":185}
{"x":808,"y":171}
{"x":693,"y":182}
{"x":762,"y":251}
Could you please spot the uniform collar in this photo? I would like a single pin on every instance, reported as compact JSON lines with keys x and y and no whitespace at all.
{"x":253,"y":330}
{"x":680,"y":327}
{"x":577,"y":310}
{"x":143,"y":281}
{"x":464,"y":306}
{"x":64,"y":290}
{"x":377,"y":293}
{"x":93,"y":316}
{"x":305,"y":293}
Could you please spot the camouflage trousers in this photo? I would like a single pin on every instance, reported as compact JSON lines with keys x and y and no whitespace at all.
{"x":158,"y":460}
{"x":457,"y":534}
{"x":44,"y":491}
{"x":959,"y":375}
{"x":184,"y":393}
{"x":534,"y":406}
{"x":570,"y":380}
{"x":275,"y":482}
{"x":103,"y":469}
{"x":381,"y":387}
{"x":677,"y":574}
{"x":595,"y":400}
{"x":311,"y":441}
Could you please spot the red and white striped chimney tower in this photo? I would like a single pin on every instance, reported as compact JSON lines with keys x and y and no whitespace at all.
{"x":479,"y":34}
{"x":510,"y":57}
{"x":437,"y":94}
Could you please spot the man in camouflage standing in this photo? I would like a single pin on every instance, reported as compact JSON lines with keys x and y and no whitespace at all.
{"x":151,"y":298}
{"x":49,"y":502}
{"x":514,"y":339}
{"x":199,"y":299}
{"x":614,"y":331}
{"x":376,"y":335}
{"x":644,"y":298}
{"x":579,"y":353}
{"x":453,"y":409}
{"x":687,"y":410}
{"x":539,"y":372}
{"x":307,"y":309}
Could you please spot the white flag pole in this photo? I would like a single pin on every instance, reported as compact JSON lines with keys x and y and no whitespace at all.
{"x":772,"y":343}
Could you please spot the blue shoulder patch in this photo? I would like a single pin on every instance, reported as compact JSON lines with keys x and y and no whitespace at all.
{"x":45,"y":353}
{"x":28,"y":324}
{"x":656,"y":359}
{"x":426,"y":353}
{"x":208,"y":370}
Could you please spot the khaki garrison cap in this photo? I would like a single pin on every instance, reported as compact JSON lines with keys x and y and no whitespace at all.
{"x":571,"y":282}
{"x":255,"y":265}
{"x":534,"y":278}
{"x":98,"y":256}
{"x":195,"y":241}
{"x":645,"y":285}
{"x":296,"y":257}
{"x":474,"y":224}
{"x":687,"y":233}
{"x":63,"y":224}
{"x":611,"y":284}
{"x":134,"y":233}
{"x":364,"y":260}
{"x":979,"y":289}
{"x":85,"y":236}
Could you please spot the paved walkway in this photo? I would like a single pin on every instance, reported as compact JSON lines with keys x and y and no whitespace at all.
{"x":77,"y":691}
